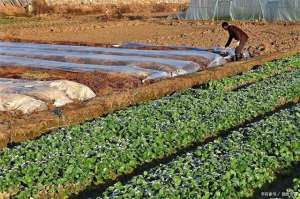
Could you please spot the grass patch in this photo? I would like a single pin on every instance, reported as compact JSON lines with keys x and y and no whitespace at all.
{"x":7,"y":20}
{"x":35,"y":75}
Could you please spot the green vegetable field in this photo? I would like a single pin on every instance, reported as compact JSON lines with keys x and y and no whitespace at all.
{"x":226,"y":139}
{"x":226,"y":168}
{"x":295,"y":190}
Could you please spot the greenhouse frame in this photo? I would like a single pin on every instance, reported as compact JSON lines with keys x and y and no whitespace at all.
{"x":267,"y":10}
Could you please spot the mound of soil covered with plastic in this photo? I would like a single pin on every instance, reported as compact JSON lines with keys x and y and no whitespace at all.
{"x":30,"y":96}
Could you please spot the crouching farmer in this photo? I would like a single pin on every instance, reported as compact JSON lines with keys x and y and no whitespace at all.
{"x":237,"y":34}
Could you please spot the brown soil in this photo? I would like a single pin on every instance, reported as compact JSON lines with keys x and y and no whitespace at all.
{"x":12,"y":10}
{"x":14,"y":128}
{"x":265,"y":38}
{"x":101,"y":83}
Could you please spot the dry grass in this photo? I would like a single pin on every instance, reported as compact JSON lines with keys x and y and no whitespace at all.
{"x":81,"y":9}
{"x":4,"y":140}
{"x":117,"y":9}
{"x":165,"y":7}
{"x":40,"y":7}
{"x":110,"y":11}
{"x":35,"y":75}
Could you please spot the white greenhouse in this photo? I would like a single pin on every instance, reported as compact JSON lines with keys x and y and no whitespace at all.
{"x":268,"y":10}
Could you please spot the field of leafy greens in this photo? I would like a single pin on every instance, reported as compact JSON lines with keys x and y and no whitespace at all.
{"x":294,"y":192}
{"x":71,"y":159}
{"x":226,"y":168}
{"x":262,"y":72}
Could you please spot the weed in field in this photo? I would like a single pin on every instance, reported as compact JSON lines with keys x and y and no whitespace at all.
{"x":6,"y":20}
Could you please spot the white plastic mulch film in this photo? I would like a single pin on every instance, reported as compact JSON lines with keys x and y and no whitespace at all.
{"x":146,"y":64}
{"x":29,"y":96}
{"x":268,"y":10}
{"x":145,"y":61}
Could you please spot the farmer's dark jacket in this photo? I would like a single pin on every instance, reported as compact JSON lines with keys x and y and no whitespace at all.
{"x":237,"y":34}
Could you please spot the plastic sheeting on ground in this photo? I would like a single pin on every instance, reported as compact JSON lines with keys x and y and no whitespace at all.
{"x":269,"y":10}
{"x":173,"y":52}
{"x":148,"y":64}
{"x":73,"y":90}
{"x":28,"y":96}
{"x":15,"y":61}
{"x":168,"y":65}
{"x":22,"y":103}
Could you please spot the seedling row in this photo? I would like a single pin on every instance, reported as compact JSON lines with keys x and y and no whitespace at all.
{"x":259,"y":73}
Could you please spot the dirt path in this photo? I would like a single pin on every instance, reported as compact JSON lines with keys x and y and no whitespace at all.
{"x":264,"y":38}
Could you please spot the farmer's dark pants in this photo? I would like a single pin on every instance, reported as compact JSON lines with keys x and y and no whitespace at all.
{"x":239,"y":49}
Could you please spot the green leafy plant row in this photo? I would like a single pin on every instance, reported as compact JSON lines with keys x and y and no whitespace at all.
{"x":232,"y":167}
{"x":294,"y":192}
{"x":265,"y":71}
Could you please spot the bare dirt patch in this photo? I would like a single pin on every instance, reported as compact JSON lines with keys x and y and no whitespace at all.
{"x":101,"y":83}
